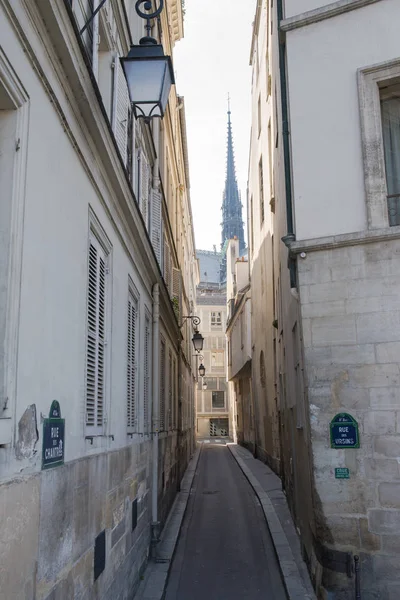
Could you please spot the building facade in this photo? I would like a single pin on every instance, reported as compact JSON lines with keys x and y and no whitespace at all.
{"x":97,"y":376}
{"x":212,"y":409}
{"x":238,"y":334}
{"x":323,"y":245}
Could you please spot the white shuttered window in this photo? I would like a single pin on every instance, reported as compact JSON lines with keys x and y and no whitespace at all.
{"x":156,"y":224}
{"x":131,"y":400}
{"x":162,"y":386}
{"x":96,"y":332}
{"x":146,"y":390}
{"x":121,"y":112}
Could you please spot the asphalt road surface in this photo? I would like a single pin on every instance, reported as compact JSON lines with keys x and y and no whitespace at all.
{"x":225,"y":551}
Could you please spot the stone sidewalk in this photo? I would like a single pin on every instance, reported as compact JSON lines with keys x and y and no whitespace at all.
{"x":268,"y":488}
{"x":156,"y":573}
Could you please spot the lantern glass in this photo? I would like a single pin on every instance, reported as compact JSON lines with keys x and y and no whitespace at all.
{"x":198,"y":341}
{"x":149,"y":77}
{"x":202,"y":370}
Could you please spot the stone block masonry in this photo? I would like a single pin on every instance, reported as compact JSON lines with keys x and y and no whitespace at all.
{"x":52,"y":518}
{"x":350,"y":306}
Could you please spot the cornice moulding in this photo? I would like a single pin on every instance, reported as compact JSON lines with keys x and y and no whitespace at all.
{"x":325,"y":12}
{"x":347,"y":239}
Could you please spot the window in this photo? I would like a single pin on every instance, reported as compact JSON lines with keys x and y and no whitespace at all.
{"x":251,"y":224}
{"x":390,"y":105}
{"x":261,"y":190}
{"x":217,"y":360}
{"x":271,"y":173}
{"x":170,"y":389}
{"x":14,"y":125}
{"x":216,"y":319}
{"x":378,"y":88}
{"x":162,"y":386}
{"x":218,"y":400}
{"x":131,"y":394}
{"x":146,"y":368}
{"x":174,"y":396}
{"x":96,"y":335}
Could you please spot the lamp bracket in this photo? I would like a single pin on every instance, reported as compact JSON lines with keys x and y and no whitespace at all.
{"x":148,"y":16}
{"x":147,"y":6}
{"x":195,"y":321}
{"x":200,"y":356}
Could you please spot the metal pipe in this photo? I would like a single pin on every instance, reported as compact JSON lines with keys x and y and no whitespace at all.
{"x":290,"y":235}
{"x":155,"y":525}
{"x":285,"y":125}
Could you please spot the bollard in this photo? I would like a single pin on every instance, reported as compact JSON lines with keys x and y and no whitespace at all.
{"x":357,"y":573}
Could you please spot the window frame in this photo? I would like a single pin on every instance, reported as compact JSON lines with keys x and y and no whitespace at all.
{"x":17,"y":96}
{"x":218,"y":393}
{"x":216,"y":325}
{"x":97,"y":233}
{"x":369,"y":81}
{"x":134,"y":300}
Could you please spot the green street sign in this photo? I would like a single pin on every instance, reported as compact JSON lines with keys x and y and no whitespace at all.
{"x":53,"y":438}
{"x":342,"y":473}
{"x":344,"y":432}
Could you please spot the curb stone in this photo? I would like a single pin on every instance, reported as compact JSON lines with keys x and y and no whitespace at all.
{"x":155,"y":577}
{"x":290,"y":573}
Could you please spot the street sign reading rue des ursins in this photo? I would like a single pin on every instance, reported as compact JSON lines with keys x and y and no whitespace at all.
{"x":344,"y":432}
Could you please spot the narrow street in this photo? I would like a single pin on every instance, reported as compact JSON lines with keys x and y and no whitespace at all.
{"x":225,"y":551}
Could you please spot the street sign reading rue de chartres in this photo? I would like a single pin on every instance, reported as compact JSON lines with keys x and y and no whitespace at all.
{"x":344,"y":432}
{"x":53,"y":438}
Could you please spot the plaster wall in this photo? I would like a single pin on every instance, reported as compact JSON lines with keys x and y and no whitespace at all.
{"x":50,"y":519}
{"x":325,"y":125}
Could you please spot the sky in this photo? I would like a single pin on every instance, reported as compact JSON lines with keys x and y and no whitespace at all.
{"x":211,"y":61}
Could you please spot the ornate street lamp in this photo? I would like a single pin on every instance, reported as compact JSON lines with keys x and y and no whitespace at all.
{"x":148,"y":71}
{"x":202,"y":370}
{"x":198,"y":341}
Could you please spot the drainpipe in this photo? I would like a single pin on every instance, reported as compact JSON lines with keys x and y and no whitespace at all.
{"x":290,"y":236}
{"x":155,"y":525}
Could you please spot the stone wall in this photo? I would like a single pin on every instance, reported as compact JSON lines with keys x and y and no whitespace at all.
{"x":350,"y":304}
{"x":50,"y":522}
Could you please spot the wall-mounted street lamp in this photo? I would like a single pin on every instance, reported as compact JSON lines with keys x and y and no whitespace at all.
{"x":198,"y":341}
{"x":197,"y":338}
{"x":202,"y":371}
{"x":148,"y":71}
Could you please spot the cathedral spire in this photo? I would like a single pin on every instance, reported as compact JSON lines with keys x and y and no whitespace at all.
{"x":232,"y":222}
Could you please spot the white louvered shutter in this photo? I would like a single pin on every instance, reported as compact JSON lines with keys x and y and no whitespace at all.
{"x":156,"y":224}
{"x":131,"y":366}
{"x":162,"y":386}
{"x":96,"y":316}
{"x":170,"y":390}
{"x":121,"y":114}
{"x":174,"y":399}
{"x":176,"y":291}
{"x":144,"y":188}
{"x":146,"y":389}
{"x":167,"y":265}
